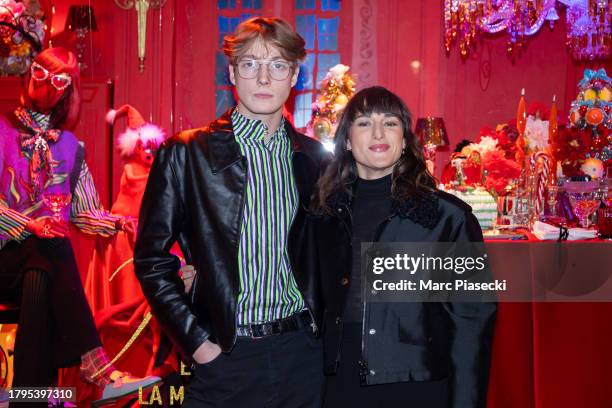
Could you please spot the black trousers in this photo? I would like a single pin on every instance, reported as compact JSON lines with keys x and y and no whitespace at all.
{"x":55,"y":324}
{"x":279,"y":371}
{"x":344,"y":389}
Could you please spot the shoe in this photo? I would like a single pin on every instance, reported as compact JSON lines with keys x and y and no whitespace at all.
{"x":125,"y":386}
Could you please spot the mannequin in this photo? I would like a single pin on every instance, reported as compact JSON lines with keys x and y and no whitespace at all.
{"x":111,"y":287}
{"x":42,"y":163}
{"x":110,"y":278}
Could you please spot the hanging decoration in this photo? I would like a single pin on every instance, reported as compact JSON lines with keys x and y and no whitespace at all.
{"x":142,"y":9}
{"x":588,"y":34}
{"x":22,"y":32}
{"x":82,"y":21}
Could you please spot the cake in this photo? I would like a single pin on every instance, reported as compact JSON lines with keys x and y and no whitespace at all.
{"x":482,"y":202}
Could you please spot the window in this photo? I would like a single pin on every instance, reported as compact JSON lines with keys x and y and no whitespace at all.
{"x":318,"y":22}
{"x":230,"y":14}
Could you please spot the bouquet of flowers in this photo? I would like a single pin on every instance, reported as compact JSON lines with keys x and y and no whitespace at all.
{"x":487,"y":163}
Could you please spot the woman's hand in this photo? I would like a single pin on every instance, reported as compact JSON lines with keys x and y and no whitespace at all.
{"x":47,"y":227}
{"x":187,"y":274}
{"x":126,"y":224}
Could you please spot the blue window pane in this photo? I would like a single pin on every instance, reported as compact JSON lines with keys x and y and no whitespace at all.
{"x":306,"y":73}
{"x":305,"y":4}
{"x":223,"y":23}
{"x":221,"y":75}
{"x":226,"y":25}
{"x":305,"y":26}
{"x":254,"y":4}
{"x":327,"y":33}
{"x":303,"y":109}
{"x":326,"y":61}
{"x":330,"y":5}
{"x":225,"y":100}
{"x":224,"y":4}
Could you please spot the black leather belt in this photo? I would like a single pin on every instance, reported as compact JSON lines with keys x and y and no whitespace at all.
{"x":295,"y":322}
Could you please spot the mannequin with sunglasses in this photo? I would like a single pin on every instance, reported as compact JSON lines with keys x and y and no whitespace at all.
{"x":42,"y":164}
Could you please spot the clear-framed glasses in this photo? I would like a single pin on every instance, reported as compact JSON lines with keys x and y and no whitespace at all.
{"x":279,"y":70}
{"x":59,"y":81}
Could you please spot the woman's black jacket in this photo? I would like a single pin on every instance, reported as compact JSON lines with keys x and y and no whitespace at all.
{"x":404,"y":341}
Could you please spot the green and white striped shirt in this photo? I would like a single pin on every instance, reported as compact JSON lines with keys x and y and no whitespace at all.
{"x":267,"y":287}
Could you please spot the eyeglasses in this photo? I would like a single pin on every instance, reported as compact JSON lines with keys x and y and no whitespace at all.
{"x":279,"y":70}
{"x":59,"y":81}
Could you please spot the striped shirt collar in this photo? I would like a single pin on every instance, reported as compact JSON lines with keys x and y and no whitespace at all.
{"x":254,"y":129}
{"x":41,"y":119}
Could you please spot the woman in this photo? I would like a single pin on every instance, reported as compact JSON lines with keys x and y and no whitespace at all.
{"x":42,"y":164}
{"x":377,"y":188}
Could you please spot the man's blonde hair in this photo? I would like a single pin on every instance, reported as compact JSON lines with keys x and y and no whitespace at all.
{"x":272,"y":31}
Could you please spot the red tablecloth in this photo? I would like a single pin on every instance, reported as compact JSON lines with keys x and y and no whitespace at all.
{"x":553,"y":355}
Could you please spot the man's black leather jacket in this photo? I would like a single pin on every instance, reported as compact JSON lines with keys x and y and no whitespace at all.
{"x":195,"y":195}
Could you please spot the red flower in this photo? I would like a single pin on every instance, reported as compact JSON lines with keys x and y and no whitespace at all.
{"x":536,"y":107}
{"x":571,"y":147}
{"x":506,"y":138}
{"x":499,"y":170}
{"x":486,"y":131}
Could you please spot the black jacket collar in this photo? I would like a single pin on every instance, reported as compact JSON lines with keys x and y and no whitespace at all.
{"x":424,"y":211}
{"x":224,"y":150}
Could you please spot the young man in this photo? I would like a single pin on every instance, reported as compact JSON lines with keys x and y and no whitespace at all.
{"x":233,"y":195}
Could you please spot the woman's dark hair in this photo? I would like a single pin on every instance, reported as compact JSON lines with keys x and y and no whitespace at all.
{"x":410,"y":177}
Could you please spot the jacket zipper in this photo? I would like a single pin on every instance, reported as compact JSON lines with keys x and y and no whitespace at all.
{"x":363,"y":364}
{"x":346,"y":227}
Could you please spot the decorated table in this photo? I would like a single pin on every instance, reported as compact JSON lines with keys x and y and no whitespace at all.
{"x":542,"y":193}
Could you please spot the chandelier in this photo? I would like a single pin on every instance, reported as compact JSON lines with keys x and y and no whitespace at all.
{"x":588,"y":33}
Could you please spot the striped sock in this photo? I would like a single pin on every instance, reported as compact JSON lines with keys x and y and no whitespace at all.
{"x":96,"y":367}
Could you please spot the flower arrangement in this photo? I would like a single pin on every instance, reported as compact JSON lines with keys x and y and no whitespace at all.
{"x":487,"y":163}
{"x":536,"y":133}
{"x":22,"y":32}
{"x":570,"y":149}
